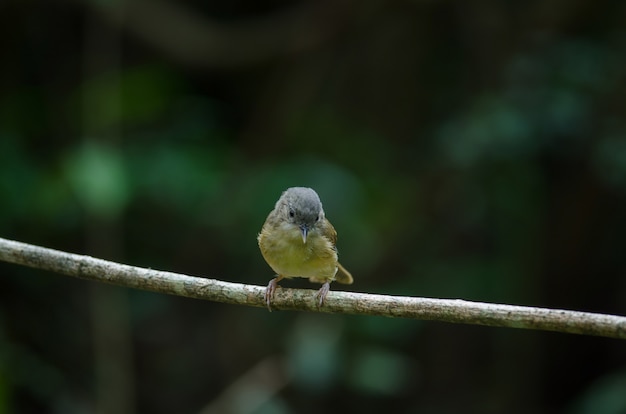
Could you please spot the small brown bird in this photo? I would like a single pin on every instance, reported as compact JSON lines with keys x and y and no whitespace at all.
{"x":298,"y":241}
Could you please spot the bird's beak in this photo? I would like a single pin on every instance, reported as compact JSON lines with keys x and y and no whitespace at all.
{"x":305,"y":230}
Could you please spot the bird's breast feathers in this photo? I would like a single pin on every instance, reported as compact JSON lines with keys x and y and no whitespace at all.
{"x":284,"y":251}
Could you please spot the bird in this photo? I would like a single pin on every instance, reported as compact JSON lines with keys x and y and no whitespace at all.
{"x":297,"y":240}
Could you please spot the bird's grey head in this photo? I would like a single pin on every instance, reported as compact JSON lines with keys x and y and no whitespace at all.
{"x":302,"y":207}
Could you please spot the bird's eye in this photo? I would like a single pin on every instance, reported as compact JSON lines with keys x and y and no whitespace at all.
{"x":317,"y":218}
{"x":291,"y":213}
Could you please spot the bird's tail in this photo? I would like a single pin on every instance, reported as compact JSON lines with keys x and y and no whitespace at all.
{"x":343,"y":276}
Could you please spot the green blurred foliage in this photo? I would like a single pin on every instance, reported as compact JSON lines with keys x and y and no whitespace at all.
{"x":462,"y":150}
{"x":605,"y":396}
{"x":97,"y":176}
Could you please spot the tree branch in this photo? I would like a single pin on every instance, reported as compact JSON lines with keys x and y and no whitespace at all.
{"x":445,"y":310}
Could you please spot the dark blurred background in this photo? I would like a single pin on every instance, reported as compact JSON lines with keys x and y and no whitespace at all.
{"x":471,"y":150}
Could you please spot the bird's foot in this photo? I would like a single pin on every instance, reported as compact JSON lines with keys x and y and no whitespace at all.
{"x":269,"y":292}
{"x":321,"y":294}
